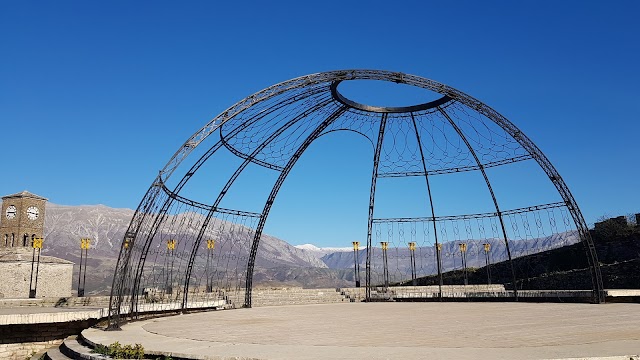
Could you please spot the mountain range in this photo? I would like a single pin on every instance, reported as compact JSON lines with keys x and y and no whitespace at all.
{"x":278,"y":263}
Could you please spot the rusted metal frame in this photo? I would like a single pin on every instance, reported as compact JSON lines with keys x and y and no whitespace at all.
{"x":433,"y":215}
{"x":247,"y":160}
{"x":372,"y":198}
{"x":274,"y":192}
{"x":493,"y":197}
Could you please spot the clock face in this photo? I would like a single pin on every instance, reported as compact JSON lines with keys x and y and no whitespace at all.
{"x":32,"y":212}
{"x":11,"y":212}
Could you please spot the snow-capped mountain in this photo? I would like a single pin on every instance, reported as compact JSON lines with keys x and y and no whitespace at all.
{"x":320,"y":252}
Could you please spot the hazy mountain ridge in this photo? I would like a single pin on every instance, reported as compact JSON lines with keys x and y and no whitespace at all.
{"x":277,"y":261}
{"x":105,"y":226}
{"x":399,"y":258}
{"x":64,"y":226}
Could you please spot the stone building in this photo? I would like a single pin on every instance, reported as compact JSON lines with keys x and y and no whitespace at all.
{"x":23,"y":269}
{"x":23,"y":219}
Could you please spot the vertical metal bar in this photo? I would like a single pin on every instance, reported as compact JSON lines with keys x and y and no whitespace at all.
{"x":209,"y":287}
{"x":386,"y":268}
{"x":84,"y":279}
{"x":35,"y":285}
{"x":488,"y":265}
{"x":32,"y":293}
{"x":80,"y":272}
{"x":413,"y":266}
{"x":464,"y":261}
{"x":356,"y":267}
{"x":415,"y":271}
{"x":171,"y":272}
{"x":493,"y":196}
{"x":372,"y":196}
{"x":433,"y":215}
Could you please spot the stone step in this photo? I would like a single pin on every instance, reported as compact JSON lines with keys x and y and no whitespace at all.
{"x":39,"y":355}
{"x":273,"y":303}
{"x":301,"y":298}
{"x":55,"y":354}
{"x":75,"y":348}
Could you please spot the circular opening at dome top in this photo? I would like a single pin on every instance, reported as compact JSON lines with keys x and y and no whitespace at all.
{"x":385,"y":96}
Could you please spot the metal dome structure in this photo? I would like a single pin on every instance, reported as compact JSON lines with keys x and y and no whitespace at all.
{"x":185,"y":245}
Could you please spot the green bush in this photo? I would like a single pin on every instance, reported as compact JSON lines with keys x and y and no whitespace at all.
{"x":118,"y":351}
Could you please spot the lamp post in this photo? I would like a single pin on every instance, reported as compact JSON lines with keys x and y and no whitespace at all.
{"x":463,"y":253}
{"x":211,"y":244}
{"x":385,"y":273}
{"x":171,"y":246}
{"x":412,"y":256}
{"x":84,"y":248}
{"x":487,"y":247}
{"x":36,"y":243}
{"x":356,"y":262}
{"x":439,"y":261}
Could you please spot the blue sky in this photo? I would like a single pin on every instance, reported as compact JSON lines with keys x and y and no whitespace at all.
{"x":95,"y":97}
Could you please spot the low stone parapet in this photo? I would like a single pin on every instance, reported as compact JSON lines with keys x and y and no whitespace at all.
{"x":72,"y":301}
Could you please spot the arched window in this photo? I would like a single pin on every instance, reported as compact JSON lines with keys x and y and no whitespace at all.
{"x":33,"y":238}
{"x":6,"y":240}
{"x":25,"y":238}
{"x":13,"y":239}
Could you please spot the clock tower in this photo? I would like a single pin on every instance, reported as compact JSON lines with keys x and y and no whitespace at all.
{"x":22,"y":219}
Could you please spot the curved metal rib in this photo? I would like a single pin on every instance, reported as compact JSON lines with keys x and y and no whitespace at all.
{"x":372,"y":199}
{"x":493,"y":196}
{"x":384,"y":109}
{"x":274,"y":192}
{"x":230,"y":182}
{"x":433,"y":215}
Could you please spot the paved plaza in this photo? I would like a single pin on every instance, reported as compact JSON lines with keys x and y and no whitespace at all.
{"x":392,"y":331}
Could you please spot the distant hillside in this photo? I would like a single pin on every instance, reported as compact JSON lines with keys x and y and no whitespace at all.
{"x":278,"y":262}
{"x":425,"y":256}
{"x":105,"y":226}
{"x":617,"y":247}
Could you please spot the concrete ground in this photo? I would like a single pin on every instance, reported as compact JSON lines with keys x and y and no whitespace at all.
{"x":392,"y":331}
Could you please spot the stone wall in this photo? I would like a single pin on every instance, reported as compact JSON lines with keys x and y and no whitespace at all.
{"x":54,"y":276}
{"x":19,"y":341}
{"x":62,"y":302}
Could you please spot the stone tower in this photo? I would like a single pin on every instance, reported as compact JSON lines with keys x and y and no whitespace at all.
{"x":22,"y":219}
